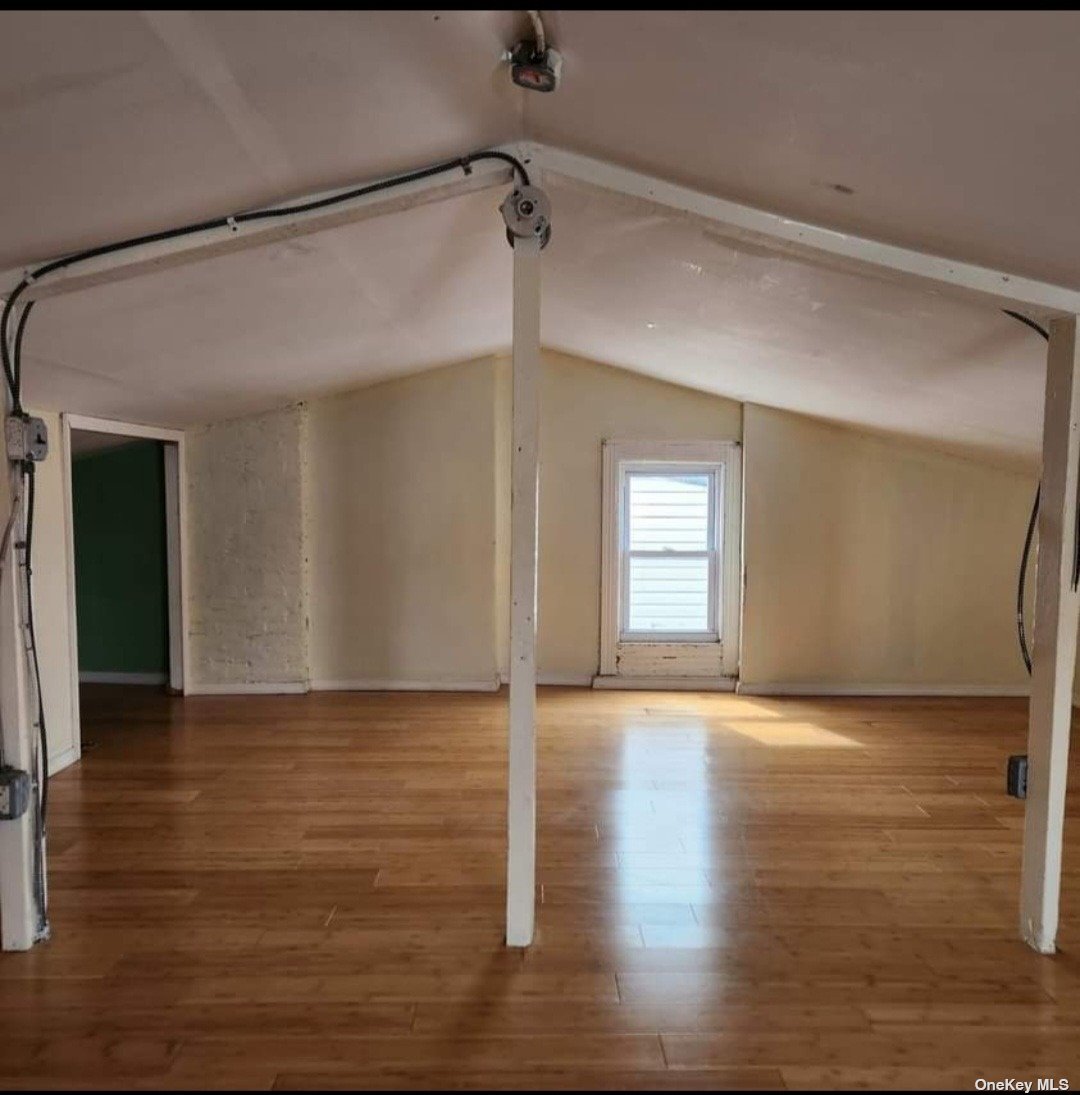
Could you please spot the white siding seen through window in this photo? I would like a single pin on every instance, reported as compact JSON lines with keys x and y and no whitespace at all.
{"x":669,"y":547}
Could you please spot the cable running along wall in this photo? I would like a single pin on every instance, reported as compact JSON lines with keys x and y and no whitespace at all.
{"x":20,"y":533}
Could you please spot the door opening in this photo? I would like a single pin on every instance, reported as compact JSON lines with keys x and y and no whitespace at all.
{"x":125,"y":555}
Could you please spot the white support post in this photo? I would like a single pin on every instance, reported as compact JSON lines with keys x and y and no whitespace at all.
{"x":18,"y":906}
{"x":1057,"y":613}
{"x":521,"y":810}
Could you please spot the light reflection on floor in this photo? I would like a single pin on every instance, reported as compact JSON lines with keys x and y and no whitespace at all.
{"x":679,"y":824}
{"x":774,"y":731}
{"x":663,"y":831}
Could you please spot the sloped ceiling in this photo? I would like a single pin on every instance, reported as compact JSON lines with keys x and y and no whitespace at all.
{"x":943,"y":131}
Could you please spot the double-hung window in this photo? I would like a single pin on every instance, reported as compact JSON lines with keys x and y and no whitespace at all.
{"x":668,"y":561}
{"x":671,"y":559}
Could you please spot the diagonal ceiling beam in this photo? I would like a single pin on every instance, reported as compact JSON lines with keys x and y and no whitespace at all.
{"x":785,"y":236}
{"x":809,"y":242}
{"x":151,"y":257}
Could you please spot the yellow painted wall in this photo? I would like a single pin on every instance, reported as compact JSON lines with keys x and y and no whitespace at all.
{"x":582,"y":403}
{"x":876,"y":561}
{"x":400,"y":502}
{"x":869,"y":560}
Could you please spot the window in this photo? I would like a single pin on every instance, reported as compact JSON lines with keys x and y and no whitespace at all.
{"x":669,"y":551}
{"x":671,"y":570}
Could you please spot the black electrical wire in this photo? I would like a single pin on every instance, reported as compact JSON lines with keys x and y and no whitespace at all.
{"x":321,"y":203}
{"x":17,"y":355}
{"x":9,"y":375}
{"x":29,"y":478}
{"x":463,"y":163}
{"x":29,"y":472}
{"x":1028,"y":322}
{"x":1021,"y":631}
{"x":11,"y":355}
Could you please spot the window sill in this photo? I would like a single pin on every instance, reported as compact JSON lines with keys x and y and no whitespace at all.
{"x":666,"y":684}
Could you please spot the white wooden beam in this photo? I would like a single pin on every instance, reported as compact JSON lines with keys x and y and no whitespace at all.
{"x":151,"y":257}
{"x":91,"y":424}
{"x":784,"y":235}
{"x":524,"y":515}
{"x":1057,"y":614}
{"x":19,"y":916}
{"x":814,"y":243}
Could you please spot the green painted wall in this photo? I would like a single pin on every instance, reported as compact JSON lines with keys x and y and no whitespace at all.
{"x":121,"y":573}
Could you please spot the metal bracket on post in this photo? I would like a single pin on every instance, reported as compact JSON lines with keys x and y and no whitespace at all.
{"x":527,"y":212}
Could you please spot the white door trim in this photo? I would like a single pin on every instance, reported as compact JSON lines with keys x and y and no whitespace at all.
{"x":175,"y":540}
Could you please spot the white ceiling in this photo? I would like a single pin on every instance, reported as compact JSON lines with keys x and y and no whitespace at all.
{"x":671,"y":299}
{"x":952,"y":129}
{"x":955,"y":130}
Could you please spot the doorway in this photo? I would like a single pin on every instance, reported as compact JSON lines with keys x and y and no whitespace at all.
{"x":125,"y":548}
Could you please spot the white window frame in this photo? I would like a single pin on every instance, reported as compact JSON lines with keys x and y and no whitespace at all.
{"x":715,"y":473}
{"x":720,"y":457}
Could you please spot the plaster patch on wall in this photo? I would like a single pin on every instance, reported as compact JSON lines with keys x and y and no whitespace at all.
{"x":247,"y":550}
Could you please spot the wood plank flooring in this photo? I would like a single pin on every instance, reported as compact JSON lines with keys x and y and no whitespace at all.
{"x":307,"y":891}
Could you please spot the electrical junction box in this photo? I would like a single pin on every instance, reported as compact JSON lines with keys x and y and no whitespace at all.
{"x":26,"y":438}
{"x":14,"y":793}
{"x":1016,"y":776}
{"x":534,"y":70}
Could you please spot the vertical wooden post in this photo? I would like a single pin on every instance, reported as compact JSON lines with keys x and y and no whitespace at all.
{"x":18,"y":905}
{"x":524,"y":498}
{"x":1057,"y":613}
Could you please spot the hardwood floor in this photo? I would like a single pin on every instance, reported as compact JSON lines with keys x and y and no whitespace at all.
{"x":307,"y":891}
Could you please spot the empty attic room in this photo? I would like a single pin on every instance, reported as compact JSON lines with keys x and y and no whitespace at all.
{"x":540,"y":550}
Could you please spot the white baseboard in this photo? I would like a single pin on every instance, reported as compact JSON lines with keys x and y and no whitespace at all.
{"x":824,"y":688}
{"x":557,"y":680}
{"x":566,"y":680}
{"x":665,"y":684}
{"x":262,"y":688}
{"x":369,"y":685}
{"x":64,"y":759}
{"x":489,"y":685}
{"x":93,"y":676}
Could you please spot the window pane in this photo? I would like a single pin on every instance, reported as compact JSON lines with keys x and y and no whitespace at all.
{"x":669,"y":594}
{"x":668,"y":512}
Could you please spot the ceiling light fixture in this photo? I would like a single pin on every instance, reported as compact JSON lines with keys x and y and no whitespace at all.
{"x":533,"y":64}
